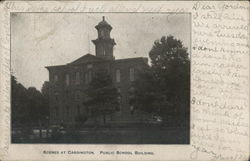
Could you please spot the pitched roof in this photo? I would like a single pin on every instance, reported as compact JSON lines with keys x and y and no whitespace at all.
{"x":144,"y":59}
{"x":88,"y":58}
{"x":55,"y":66}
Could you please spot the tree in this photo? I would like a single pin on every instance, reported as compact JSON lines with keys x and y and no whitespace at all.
{"x":102,"y":96}
{"x":45,"y":89}
{"x":164,"y":88}
{"x":37,"y":105}
{"x":27,"y":105}
{"x":171,"y":66}
{"x":18,"y":103}
{"x":45,"y":100}
{"x":145,"y":92}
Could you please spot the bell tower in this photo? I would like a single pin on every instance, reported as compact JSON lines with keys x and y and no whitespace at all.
{"x":104,"y":44}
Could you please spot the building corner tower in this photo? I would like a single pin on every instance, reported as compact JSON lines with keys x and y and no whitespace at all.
{"x":104,"y":44}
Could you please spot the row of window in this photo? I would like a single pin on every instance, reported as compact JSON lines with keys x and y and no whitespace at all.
{"x":131,"y":75}
{"x":69,"y":113}
{"x":88,"y":77}
{"x":78,"y":94}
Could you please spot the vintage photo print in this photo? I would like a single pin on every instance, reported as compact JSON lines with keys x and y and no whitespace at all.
{"x":100,"y":78}
{"x":124,"y":80}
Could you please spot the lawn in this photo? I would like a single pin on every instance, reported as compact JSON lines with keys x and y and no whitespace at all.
{"x":117,"y":135}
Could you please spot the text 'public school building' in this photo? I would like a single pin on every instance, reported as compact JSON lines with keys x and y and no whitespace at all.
{"x":68,"y":82}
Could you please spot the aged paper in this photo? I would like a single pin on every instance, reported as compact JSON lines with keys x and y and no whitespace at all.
{"x":219,"y":100}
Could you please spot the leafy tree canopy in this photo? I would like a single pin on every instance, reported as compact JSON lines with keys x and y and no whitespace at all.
{"x":171,"y":66}
{"x":102,"y":96}
{"x":27,"y":105}
{"x":165,"y":85}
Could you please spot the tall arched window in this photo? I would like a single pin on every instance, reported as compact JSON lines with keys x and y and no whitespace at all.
{"x":131,"y":74}
{"x":102,"y":34}
{"x":118,"y":75}
{"x":86,"y":78}
{"x":77,"y":77}
{"x":119,"y":90}
{"x":56,"y":96}
{"x":78,"y":95}
{"x":90,"y":76}
{"x":67,"y":79}
{"x":78,"y":110}
{"x":55,"y":78}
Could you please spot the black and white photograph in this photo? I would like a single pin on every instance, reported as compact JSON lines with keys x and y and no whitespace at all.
{"x":100,"y":78}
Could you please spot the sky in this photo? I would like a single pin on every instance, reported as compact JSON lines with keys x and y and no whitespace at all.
{"x":47,"y":39}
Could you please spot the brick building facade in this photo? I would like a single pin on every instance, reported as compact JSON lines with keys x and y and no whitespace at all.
{"x":68,"y":82}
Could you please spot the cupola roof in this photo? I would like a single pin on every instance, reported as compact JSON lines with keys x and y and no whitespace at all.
{"x":103,"y":24}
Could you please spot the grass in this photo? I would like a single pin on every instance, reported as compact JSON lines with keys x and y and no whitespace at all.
{"x":117,"y":135}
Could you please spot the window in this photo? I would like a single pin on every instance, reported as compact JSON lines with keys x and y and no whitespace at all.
{"x":131,"y":90}
{"x":89,"y":66}
{"x":67,"y":94}
{"x":86,"y":78}
{"x":78,"y":95}
{"x":119,"y":90}
{"x":55,"y":78}
{"x":131,"y":109}
{"x":77,"y":78}
{"x":102,"y":33}
{"x":132,"y":74}
{"x":56,"y":96}
{"x":118,"y":75}
{"x":119,"y":98}
{"x":84,"y":96}
{"x":120,"y":102}
{"x":78,"y":109}
{"x":90,"y":76}
{"x":67,"y":79}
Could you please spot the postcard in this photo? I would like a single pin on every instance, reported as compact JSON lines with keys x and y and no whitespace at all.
{"x":124,"y":80}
